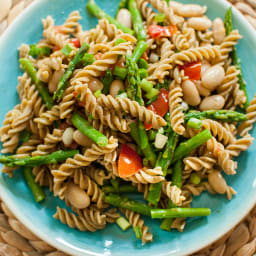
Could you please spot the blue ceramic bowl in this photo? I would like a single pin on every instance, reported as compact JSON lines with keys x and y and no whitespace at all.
{"x":112,"y":241}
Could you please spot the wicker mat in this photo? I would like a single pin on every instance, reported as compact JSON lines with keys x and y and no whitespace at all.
{"x":17,"y":240}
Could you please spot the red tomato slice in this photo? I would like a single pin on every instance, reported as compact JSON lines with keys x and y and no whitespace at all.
{"x":160,"y":106}
{"x":129,"y":162}
{"x":156,"y":31}
{"x":193,"y":70}
{"x":75,"y":42}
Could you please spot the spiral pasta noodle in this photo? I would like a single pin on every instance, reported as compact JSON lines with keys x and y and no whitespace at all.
{"x":71,"y":24}
{"x":173,"y":193}
{"x":147,"y":12}
{"x":198,"y":163}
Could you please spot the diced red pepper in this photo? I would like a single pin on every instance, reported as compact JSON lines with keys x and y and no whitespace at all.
{"x":75,"y":42}
{"x":129,"y":162}
{"x":156,"y":31}
{"x":193,"y":70}
{"x":75,"y":94}
{"x":160,"y":106}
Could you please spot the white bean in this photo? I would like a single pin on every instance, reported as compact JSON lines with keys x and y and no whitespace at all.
{"x":205,"y":66}
{"x":214,"y":102}
{"x":77,"y":197}
{"x":199,"y":23}
{"x":115,"y":87}
{"x":153,"y":58}
{"x":190,"y":93}
{"x":95,"y":85}
{"x":67,"y":136}
{"x":191,"y":10}
{"x":54,"y":80}
{"x":213,"y":77}
{"x":202,"y":90}
{"x":218,"y":31}
{"x":217,"y":182}
{"x":81,"y":139}
{"x":124,"y":17}
{"x":5,"y":8}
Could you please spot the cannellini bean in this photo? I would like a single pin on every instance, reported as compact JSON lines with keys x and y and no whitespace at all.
{"x":54,"y":80}
{"x":95,"y":85}
{"x":205,"y":66}
{"x":213,"y":102}
{"x":190,"y":93}
{"x":67,"y":136}
{"x":218,"y":31}
{"x":191,"y":10}
{"x":217,"y":182}
{"x":115,"y":87}
{"x":124,"y":17}
{"x":199,"y":23}
{"x":77,"y":197}
{"x":153,"y":58}
{"x":175,"y":6}
{"x":202,"y":90}
{"x":213,"y":77}
{"x":5,"y":8}
{"x":81,"y":139}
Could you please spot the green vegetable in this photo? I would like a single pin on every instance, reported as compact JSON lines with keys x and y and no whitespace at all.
{"x":228,"y":23}
{"x":221,"y":115}
{"x":84,"y":127}
{"x":66,"y":50}
{"x":53,"y":158}
{"x":121,"y":73}
{"x":24,"y":135}
{"x":152,"y":134}
{"x":88,"y":59}
{"x":126,"y":188}
{"x":160,"y":17}
{"x":139,"y":50}
{"x":177,"y":173}
{"x":126,"y":203}
{"x":186,"y":147}
{"x":123,"y":223}
{"x":107,"y":80}
{"x":179,"y":213}
{"x":119,"y":41}
{"x":148,"y":88}
{"x":194,"y":123}
{"x":34,"y":187}
{"x":28,"y":67}
{"x":38,"y":52}
{"x":195,"y":179}
{"x":68,"y":73}
{"x":143,"y":64}
{"x":97,"y":93}
{"x":143,"y":73}
{"x":143,"y":136}
{"x":137,"y":20}
{"x":138,"y":232}
{"x":94,"y":10}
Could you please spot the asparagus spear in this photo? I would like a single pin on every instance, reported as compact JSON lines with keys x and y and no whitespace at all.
{"x":137,"y":20}
{"x":84,"y":127}
{"x":35,"y":188}
{"x":126,"y":203}
{"x":147,"y":151}
{"x":107,"y":80}
{"x":94,"y":10}
{"x":235,"y":59}
{"x":179,"y":213}
{"x":186,"y":147}
{"x":71,"y":67}
{"x":221,"y":115}
{"x":141,"y":47}
{"x":163,"y":161}
{"x":53,"y":158}
{"x":28,"y":67}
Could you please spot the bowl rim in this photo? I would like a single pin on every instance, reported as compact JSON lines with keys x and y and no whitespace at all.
{"x":67,"y":248}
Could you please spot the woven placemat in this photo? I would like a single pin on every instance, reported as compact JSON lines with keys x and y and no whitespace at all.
{"x":17,"y":240}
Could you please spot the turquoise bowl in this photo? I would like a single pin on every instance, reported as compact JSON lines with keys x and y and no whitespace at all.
{"x":199,"y":232}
